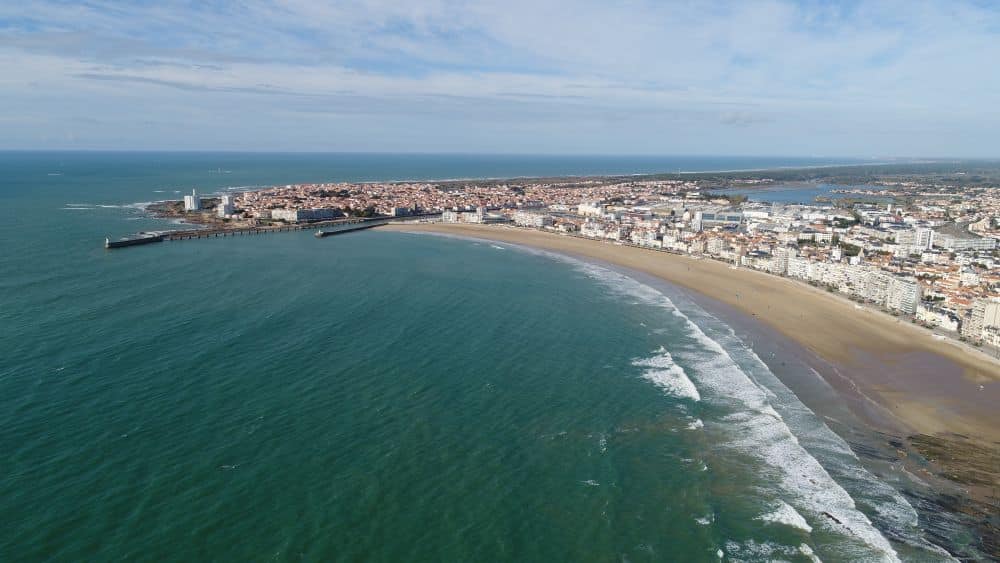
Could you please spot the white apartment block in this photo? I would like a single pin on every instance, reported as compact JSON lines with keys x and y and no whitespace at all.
{"x":227,"y":205}
{"x":779,"y":260}
{"x":951,"y":242}
{"x":592,"y":230}
{"x":921,"y":237}
{"x":590,"y":208}
{"x":296,"y":215}
{"x":715,"y":246}
{"x":192,"y":202}
{"x":876,"y":287}
{"x":798,"y":267}
{"x":937,"y":318}
{"x":985,"y":314}
{"x":530,"y":219}
{"x":903,"y":295}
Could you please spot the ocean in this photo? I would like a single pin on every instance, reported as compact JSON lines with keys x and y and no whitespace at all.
{"x":385,"y":396}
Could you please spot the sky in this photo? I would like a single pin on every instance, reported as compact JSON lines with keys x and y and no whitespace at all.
{"x":783,"y":78}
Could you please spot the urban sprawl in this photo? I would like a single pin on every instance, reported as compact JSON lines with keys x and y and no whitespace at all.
{"x":918,"y":249}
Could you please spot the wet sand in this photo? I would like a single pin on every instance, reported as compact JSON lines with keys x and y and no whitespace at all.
{"x":889,"y":368}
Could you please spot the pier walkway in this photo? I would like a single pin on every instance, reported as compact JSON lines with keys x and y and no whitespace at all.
{"x":329,"y":227}
{"x":343,"y":225}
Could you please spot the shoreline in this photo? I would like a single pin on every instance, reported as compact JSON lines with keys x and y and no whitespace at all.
{"x":929,"y":386}
{"x":947,"y":478}
{"x":946,"y":461}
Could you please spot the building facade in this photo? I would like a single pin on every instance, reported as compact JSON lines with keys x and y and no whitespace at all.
{"x":192,"y":202}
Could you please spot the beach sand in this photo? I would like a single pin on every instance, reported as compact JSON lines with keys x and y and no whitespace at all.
{"x":929,"y":386}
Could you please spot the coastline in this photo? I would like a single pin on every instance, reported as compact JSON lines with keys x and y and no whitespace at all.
{"x":929,"y":386}
{"x":909,"y":405}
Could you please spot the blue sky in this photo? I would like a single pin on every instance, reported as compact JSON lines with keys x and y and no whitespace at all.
{"x":805,"y":78}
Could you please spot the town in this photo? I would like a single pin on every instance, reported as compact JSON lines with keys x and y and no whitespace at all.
{"x":924,"y":249}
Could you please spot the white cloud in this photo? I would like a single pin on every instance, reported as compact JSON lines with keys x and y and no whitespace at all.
{"x":645,"y":76}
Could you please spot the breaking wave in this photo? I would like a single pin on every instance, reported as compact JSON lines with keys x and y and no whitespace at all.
{"x":754,"y":414}
{"x":756,"y":430}
{"x":785,"y":514}
{"x":667,"y":375}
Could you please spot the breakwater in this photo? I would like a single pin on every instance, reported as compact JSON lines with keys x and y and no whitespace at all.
{"x":346,"y":228}
{"x":327,"y":227}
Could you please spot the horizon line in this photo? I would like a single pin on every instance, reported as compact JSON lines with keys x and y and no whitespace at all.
{"x":910,"y":158}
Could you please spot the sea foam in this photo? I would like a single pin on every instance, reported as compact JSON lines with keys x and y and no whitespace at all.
{"x":890,"y":509}
{"x":785,"y":514}
{"x":758,"y":430}
{"x":667,"y":375}
{"x":761,"y":432}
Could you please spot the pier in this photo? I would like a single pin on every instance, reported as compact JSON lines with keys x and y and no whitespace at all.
{"x":343,"y":225}
{"x":347,"y":227}
{"x":323,"y":228}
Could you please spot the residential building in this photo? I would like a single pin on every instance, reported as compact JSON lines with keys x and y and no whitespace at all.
{"x":227,"y":206}
{"x":532,"y":219}
{"x":903,"y":295}
{"x":192,"y":202}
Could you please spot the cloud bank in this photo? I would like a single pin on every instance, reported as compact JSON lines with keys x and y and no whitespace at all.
{"x":750,"y":77}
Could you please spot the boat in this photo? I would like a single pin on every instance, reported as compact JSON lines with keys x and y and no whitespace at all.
{"x":143,"y":238}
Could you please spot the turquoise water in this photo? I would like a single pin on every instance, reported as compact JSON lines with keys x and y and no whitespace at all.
{"x":383,"y":396}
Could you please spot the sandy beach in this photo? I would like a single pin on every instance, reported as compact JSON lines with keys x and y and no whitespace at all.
{"x":930,"y":386}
